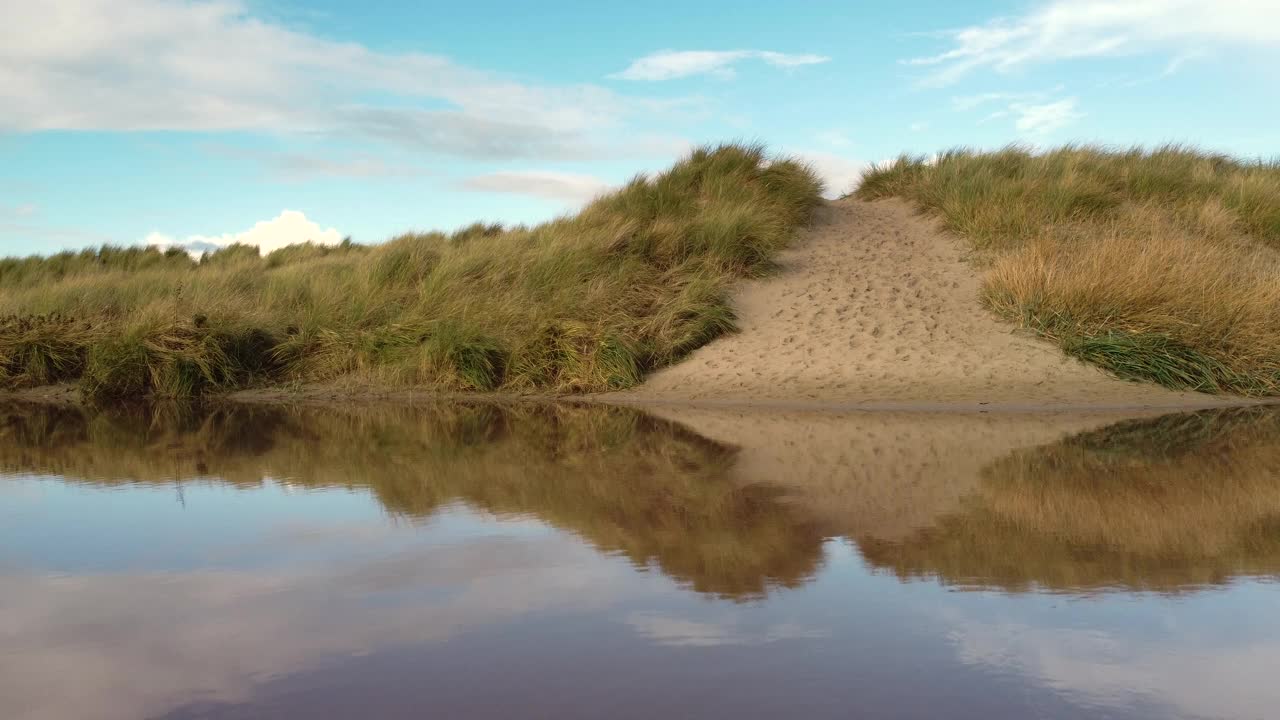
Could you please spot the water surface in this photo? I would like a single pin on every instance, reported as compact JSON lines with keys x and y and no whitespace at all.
{"x":480,"y":561}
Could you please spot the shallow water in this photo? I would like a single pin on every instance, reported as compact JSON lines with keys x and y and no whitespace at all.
{"x":261,"y":562}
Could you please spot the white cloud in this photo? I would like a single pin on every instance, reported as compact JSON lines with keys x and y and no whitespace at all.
{"x":562,"y":186}
{"x":1044,"y":118}
{"x":672,"y":64}
{"x":154,"y":65}
{"x":297,"y":166}
{"x":1179,"y":61}
{"x":471,"y":135}
{"x":1034,"y":113}
{"x":1072,"y":29}
{"x":918,"y":126}
{"x":1172,"y":67}
{"x":290,"y":227}
{"x":20,"y":211}
{"x":970,"y":102}
{"x":840,"y":174}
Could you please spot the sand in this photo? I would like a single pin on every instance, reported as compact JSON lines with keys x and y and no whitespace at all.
{"x":877,"y":308}
{"x":876,"y":475}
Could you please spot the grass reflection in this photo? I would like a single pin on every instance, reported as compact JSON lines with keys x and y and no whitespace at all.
{"x":623,"y":481}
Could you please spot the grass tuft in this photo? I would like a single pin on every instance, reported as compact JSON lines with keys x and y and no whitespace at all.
{"x":479,"y":362}
{"x":42,"y":350}
{"x":1156,"y":358}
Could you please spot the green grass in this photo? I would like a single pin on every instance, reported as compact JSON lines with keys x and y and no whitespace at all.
{"x":1160,"y":265}
{"x":592,"y":302}
{"x":1155,"y":357}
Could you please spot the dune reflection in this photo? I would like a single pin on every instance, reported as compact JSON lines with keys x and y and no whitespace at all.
{"x":622,"y":480}
{"x":1165,"y":504}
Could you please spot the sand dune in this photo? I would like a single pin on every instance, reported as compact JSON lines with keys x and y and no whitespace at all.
{"x":876,"y":307}
{"x":881,"y":475}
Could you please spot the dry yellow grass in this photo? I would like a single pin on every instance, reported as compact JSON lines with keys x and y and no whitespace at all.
{"x":1159,"y":265}
{"x":634,"y":281}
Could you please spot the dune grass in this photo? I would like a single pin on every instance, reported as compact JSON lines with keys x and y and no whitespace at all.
{"x":1159,"y":265}
{"x":591,"y":302}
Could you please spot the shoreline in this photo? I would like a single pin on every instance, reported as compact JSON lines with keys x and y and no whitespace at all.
{"x":329,"y":396}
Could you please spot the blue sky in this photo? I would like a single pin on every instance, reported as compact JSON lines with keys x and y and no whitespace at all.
{"x":131,"y":121}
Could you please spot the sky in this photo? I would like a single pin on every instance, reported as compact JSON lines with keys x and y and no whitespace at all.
{"x":203,"y":123}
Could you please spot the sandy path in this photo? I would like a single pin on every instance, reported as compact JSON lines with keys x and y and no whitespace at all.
{"x":875,"y":306}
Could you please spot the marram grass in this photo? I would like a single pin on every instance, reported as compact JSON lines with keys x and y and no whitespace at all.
{"x":1160,"y":265}
{"x":637,"y":279}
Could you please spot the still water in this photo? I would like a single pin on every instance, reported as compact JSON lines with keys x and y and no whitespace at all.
{"x":574,"y":562}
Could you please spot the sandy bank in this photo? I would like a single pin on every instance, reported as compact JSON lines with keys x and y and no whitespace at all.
{"x":876,"y":308}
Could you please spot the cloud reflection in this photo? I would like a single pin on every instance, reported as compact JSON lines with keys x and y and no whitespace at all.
{"x":681,"y":632}
{"x":1191,"y":670}
{"x":137,"y":644}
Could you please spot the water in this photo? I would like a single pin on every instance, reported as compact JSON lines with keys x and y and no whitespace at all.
{"x":484,"y":562}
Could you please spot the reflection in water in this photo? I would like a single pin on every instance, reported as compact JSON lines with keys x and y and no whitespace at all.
{"x":1165,"y":504}
{"x":270,"y":562}
{"x":620,"y":479}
